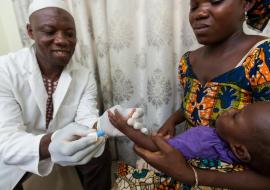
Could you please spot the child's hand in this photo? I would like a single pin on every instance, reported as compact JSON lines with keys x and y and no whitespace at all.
{"x":119,"y":121}
{"x":105,"y":124}
{"x":134,"y":119}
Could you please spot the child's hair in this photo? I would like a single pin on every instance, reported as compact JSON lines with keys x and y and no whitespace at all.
{"x":258,"y":143}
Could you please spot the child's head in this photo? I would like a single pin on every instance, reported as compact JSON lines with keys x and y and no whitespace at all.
{"x":215,"y":21}
{"x":247,"y":131}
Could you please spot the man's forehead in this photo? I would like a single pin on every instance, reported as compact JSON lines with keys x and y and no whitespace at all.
{"x":37,"y":5}
{"x":52,"y":16}
{"x":51,"y":12}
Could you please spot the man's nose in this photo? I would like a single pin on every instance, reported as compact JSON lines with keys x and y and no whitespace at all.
{"x":60,"y":39}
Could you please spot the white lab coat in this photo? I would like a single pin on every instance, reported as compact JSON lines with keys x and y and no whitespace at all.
{"x":23,"y":111}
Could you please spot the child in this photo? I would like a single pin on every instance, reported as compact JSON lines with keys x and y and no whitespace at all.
{"x":246,"y":132}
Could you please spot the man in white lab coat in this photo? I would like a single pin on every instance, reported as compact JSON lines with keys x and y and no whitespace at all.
{"x":48,"y":104}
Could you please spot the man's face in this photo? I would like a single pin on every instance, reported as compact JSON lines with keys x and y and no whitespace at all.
{"x":215,"y":20}
{"x":54,"y":33}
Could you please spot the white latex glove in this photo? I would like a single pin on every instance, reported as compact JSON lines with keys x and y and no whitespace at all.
{"x":72,"y":145}
{"x":105,"y":124}
{"x":136,"y":120}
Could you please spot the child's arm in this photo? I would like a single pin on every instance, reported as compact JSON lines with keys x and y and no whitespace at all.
{"x":135,"y":135}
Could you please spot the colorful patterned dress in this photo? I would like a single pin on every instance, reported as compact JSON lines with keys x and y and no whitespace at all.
{"x":248,"y":82}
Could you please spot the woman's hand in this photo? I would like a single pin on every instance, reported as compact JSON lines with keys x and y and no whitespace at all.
{"x":167,"y":159}
{"x":168,"y":129}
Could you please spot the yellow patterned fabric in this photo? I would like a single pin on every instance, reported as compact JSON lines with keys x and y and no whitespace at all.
{"x":129,"y":178}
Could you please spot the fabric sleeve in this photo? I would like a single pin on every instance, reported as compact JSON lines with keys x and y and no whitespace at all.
{"x":87,"y":112}
{"x":182,"y":69}
{"x":18,"y":147}
{"x":258,"y":72}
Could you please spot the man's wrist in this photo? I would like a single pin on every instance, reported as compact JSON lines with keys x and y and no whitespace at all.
{"x":44,"y":146}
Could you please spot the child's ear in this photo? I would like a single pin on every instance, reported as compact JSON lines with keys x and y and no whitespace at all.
{"x":241,"y":152}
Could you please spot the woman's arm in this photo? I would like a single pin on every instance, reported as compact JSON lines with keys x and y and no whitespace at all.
{"x":135,"y":135}
{"x":180,"y":170}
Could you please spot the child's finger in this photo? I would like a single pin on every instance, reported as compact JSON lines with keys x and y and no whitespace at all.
{"x":138,"y":113}
{"x":166,"y":137}
{"x":119,"y":116}
{"x":162,"y":144}
{"x":112,"y":118}
{"x":131,"y":112}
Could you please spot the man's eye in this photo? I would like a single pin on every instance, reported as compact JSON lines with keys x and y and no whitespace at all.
{"x":49,"y":32}
{"x":193,"y":8}
{"x":70,"y":34}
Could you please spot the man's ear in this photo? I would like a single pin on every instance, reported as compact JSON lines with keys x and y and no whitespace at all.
{"x":241,"y":152}
{"x":30,"y":31}
{"x":249,"y":4}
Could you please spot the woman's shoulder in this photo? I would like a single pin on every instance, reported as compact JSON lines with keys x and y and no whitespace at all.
{"x":258,"y":41}
{"x":260,"y":47}
{"x":257,"y":62}
{"x":191,"y":55}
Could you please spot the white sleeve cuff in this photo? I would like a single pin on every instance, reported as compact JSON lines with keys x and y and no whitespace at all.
{"x":45,"y":167}
{"x":26,"y":155}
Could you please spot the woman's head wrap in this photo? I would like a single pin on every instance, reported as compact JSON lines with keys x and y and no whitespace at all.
{"x":259,"y":15}
{"x":41,"y":4}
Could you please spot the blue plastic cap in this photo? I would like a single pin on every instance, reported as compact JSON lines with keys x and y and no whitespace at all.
{"x":100,"y":133}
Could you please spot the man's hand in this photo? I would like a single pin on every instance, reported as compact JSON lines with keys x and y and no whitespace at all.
{"x":71,"y":145}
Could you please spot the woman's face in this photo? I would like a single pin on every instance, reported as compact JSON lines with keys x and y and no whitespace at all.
{"x":214,"y":21}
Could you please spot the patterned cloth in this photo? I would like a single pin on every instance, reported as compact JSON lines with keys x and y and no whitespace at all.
{"x":259,"y":15}
{"x":130,"y":178}
{"x":50,"y":88}
{"x":246,"y":83}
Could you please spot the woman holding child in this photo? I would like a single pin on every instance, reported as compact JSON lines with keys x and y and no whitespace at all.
{"x":230,"y":70}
